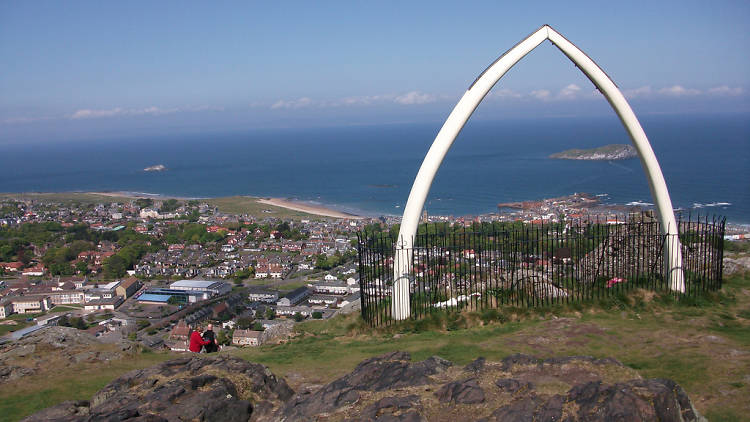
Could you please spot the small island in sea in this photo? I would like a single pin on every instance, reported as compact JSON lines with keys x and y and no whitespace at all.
{"x":607,"y":152}
{"x":158,"y":167}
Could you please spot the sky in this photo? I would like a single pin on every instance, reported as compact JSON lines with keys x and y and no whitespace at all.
{"x":102,"y":70}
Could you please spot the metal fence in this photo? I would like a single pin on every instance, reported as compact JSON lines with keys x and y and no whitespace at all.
{"x":490,"y":265}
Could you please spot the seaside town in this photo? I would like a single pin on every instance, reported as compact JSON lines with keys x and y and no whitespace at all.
{"x":152,"y":269}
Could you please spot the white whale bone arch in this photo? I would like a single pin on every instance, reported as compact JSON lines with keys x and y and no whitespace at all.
{"x":465,"y":108}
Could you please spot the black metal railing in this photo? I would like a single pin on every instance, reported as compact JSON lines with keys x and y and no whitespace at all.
{"x":491,"y":265}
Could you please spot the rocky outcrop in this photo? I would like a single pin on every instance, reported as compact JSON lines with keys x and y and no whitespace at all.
{"x":520,"y":387}
{"x":389,"y":387}
{"x":219,"y":388}
{"x":44,"y":349}
{"x":387,"y":372}
{"x":736,"y":265}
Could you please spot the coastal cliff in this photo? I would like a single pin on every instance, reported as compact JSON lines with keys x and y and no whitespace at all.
{"x":607,"y":152}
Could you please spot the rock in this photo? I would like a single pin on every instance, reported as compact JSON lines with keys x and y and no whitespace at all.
{"x":518,"y":359}
{"x":68,"y":410}
{"x":465,"y":392}
{"x":393,"y":409}
{"x":606,"y":152}
{"x":387,"y":372}
{"x":477,"y":365}
{"x":635,"y":400}
{"x":520,"y":410}
{"x":736,"y":265}
{"x":511,"y":386}
{"x":387,"y":388}
{"x":51,"y":344}
{"x":220,"y":388}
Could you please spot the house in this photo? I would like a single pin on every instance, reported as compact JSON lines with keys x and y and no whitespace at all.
{"x":35,"y":271}
{"x":294,"y":297}
{"x":330,"y":277}
{"x":181,"y":331}
{"x":247,"y":338}
{"x":11,"y":266}
{"x":305,"y":311}
{"x":324,"y":300}
{"x":275,"y":270}
{"x":261,"y":271}
{"x":330,"y":288}
{"x":127,"y":287}
{"x":67,"y":297}
{"x":101,"y":304}
{"x":6,"y":308}
{"x":31,"y":303}
{"x":266,"y":296}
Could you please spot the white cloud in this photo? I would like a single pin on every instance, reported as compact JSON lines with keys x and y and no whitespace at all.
{"x":87,"y":113}
{"x":725,"y":90}
{"x":505,"y":93}
{"x":364,"y":100}
{"x":570,"y":92}
{"x":301,"y":102}
{"x":641,"y":92}
{"x":678,"y":91}
{"x":541,"y":94}
{"x":415,"y":97}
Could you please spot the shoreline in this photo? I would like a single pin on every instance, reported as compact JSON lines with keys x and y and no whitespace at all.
{"x":325,"y":210}
{"x":306,"y":208}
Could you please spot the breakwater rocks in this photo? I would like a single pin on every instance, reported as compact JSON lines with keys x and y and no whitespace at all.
{"x":389,"y":387}
{"x":607,"y":153}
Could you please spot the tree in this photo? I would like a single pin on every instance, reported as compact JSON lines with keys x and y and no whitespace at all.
{"x":270,"y":313}
{"x":173,"y":300}
{"x":82,"y":267}
{"x":298,"y":317}
{"x":317,"y":315}
{"x":224,"y":337}
{"x":144,"y":202}
{"x":257,"y":326}
{"x":244,"y":323}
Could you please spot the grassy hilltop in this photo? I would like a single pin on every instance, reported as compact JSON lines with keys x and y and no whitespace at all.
{"x":703,"y":344}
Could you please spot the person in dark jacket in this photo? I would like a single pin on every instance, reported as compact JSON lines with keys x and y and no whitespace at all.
{"x":210,"y":337}
{"x":196,"y":342}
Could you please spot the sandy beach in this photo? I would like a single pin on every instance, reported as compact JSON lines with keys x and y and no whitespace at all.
{"x":308,"y":208}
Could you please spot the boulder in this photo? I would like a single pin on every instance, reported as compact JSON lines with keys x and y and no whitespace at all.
{"x":217,"y":388}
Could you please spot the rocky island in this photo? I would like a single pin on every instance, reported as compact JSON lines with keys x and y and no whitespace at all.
{"x":607,"y":152}
{"x":158,"y":167}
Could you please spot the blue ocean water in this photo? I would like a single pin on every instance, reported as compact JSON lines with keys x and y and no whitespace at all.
{"x":370,"y":169}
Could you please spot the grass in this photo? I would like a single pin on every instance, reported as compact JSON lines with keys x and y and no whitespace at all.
{"x":232,"y":204}
{"x":65,"y":308}
{"x":702,"y":343}
{"x":67,"y":382}
{"x":66,"y":197}
{"x":251,"y":206}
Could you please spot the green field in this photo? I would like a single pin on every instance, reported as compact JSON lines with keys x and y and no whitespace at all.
{"x":251,"y":206}
{"x":703,"y":344}
{"x":231,"y":204}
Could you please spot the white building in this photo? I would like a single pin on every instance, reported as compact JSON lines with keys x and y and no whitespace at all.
{"x":247,"y":338}
{"x":263,"y":296}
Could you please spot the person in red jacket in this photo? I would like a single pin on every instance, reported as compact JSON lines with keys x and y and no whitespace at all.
{"x":196,"y":341}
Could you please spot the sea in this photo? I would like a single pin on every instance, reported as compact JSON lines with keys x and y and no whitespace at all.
{"x":369,"y":170}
